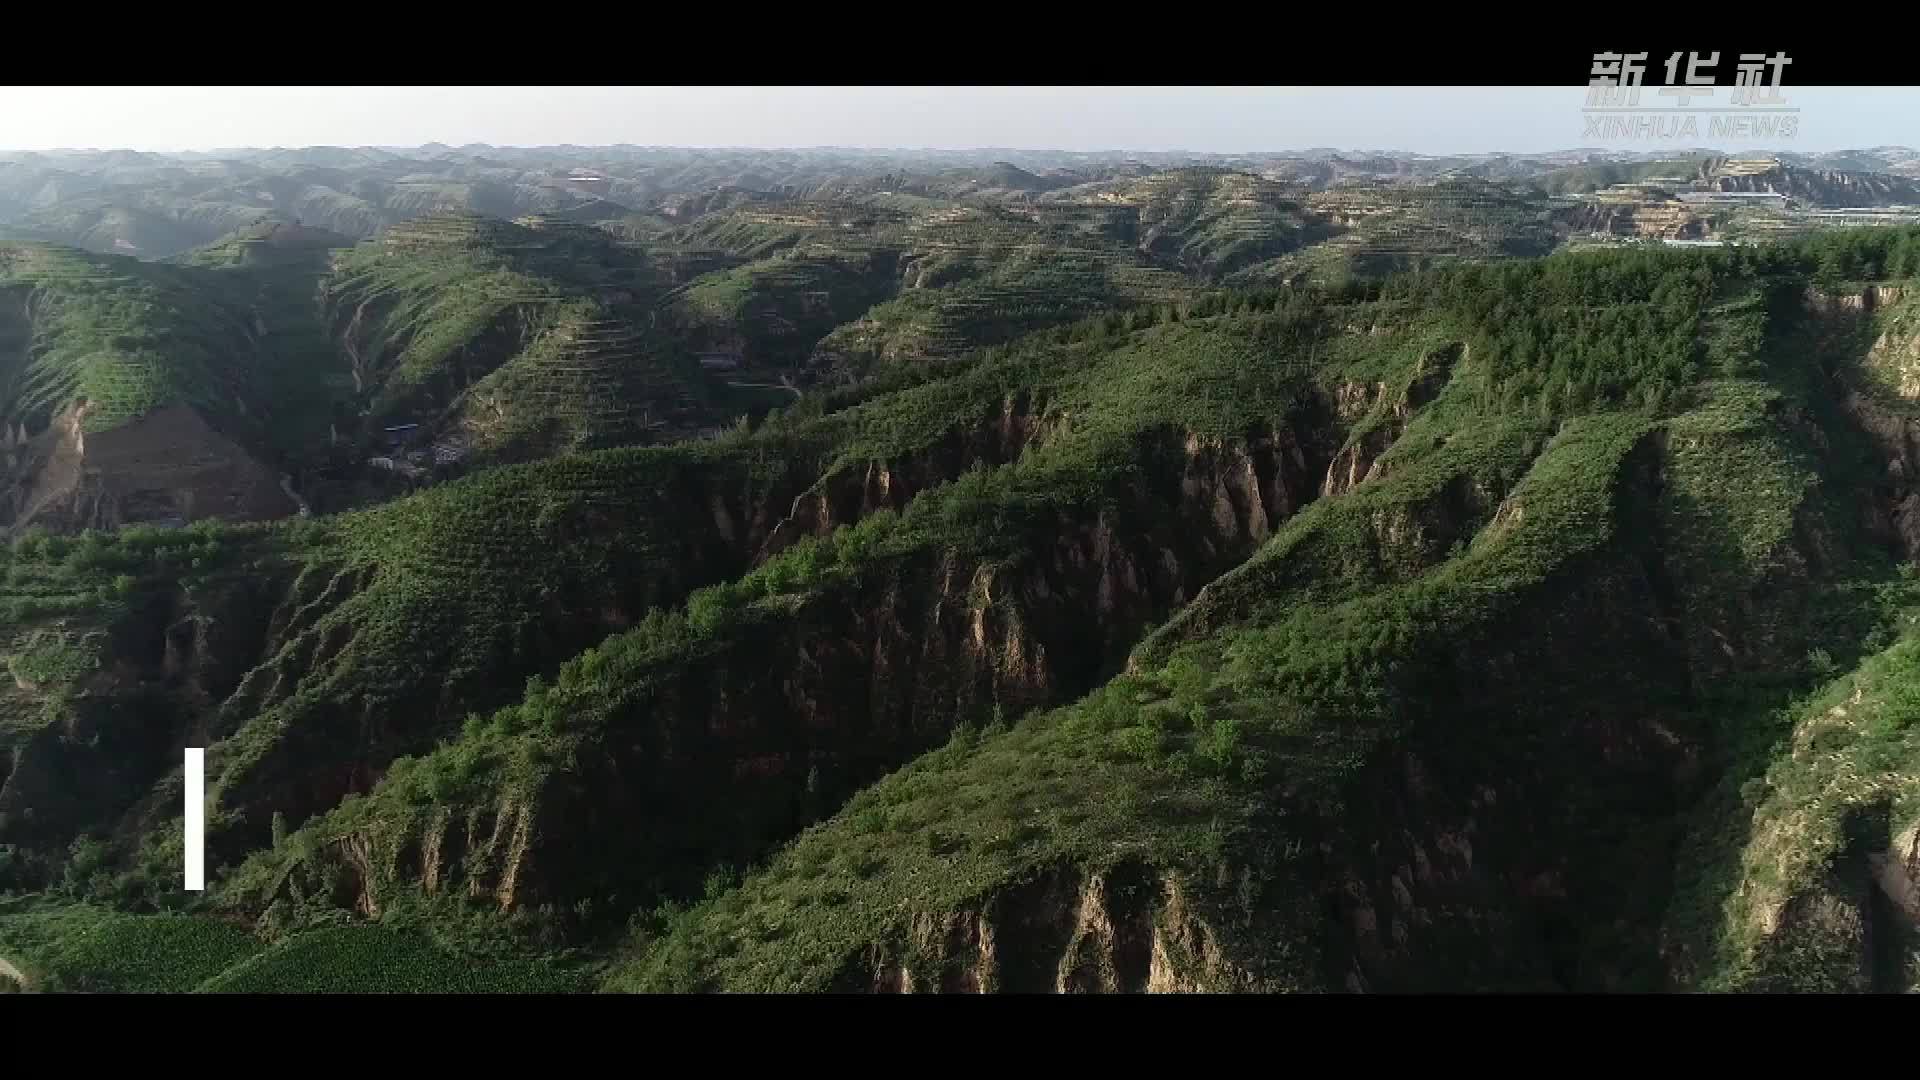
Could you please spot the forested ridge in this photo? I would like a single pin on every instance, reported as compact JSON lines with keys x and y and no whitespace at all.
{"x":1540,"y":624}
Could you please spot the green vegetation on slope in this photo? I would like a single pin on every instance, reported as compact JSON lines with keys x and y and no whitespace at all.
{"x":1776,"y":892}
{"x":773,"y":310}
{"x":1215,"y":222}
{"x":1296,"y":697}
{"x":377,"y":960}
{"x":990,"y":521}
{"x":517,"y":340}
{"x":89,"y":949}
{"x":432,"y":290}
{"x":1636,"y":458}
{"x":126,"y":337}
{"x":1584,"y":178}
{"x":1172,"y":766}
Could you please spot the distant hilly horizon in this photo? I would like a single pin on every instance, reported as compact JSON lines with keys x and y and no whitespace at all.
{"x":1317,"y":151}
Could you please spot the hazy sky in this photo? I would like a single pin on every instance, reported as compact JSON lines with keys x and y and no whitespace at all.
{"x":1216,"y":119}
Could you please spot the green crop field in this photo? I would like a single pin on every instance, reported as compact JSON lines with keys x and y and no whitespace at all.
{"x":84,"y":949}
{"x":375,"y":960}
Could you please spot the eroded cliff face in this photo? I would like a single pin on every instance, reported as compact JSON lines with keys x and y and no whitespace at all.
{"x":305,"y":750}
{"x":1888,"y":414}
{"x":1895,"y":356}
{"x":373,"y":350}
{"x":848,"y":494}
{"x":166,"y":468}
{"x":1534,"y":857}
{"x":1854,"y":928}
{"x":1363,"y":420}
{"x":744,"y":743}
{"x":1502,"y":866}
{"x":1128,"y":928}
{"x":733,"y":524}
{"x":1501,"y":863}
{"x":1379,"y":415}
{"x":1894,"y":512}
{"x":1663,"y":220}
{"x":479,"y":850}
{"x":102,"y":744}
{"x":1866,"y":300}
{"x":1897,"y":871}
{"x":1823,"y":187}
{"x":1691,"y":633}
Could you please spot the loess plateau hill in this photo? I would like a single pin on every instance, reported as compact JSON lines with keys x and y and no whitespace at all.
{"x":905,"y":591}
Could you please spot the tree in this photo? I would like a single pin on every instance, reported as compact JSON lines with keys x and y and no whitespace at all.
{"x":1903,"y":260}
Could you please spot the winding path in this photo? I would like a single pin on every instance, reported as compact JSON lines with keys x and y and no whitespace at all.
{"x":9,"y":971}
{"x":781,"y":385}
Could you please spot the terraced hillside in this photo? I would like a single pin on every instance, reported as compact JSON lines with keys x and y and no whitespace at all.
{"x":1211,"y":222}
{"x":591,"y":380}
{"x":493,"y":341}
{"x":770,"y":313}
{"x":91,"y":329}
{"x":287,"y":350}
{"x":1581,"y":179}
{"x":1815,"y":187}
{"x":1539,"y":625}
{"x":133,"y":392}
{"x":1390,"y":229}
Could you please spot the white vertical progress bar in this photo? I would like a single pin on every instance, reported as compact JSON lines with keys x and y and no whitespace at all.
{"x":196,"y":819}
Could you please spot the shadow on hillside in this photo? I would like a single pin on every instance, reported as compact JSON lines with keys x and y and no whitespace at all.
{"x":1816,"y":358}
